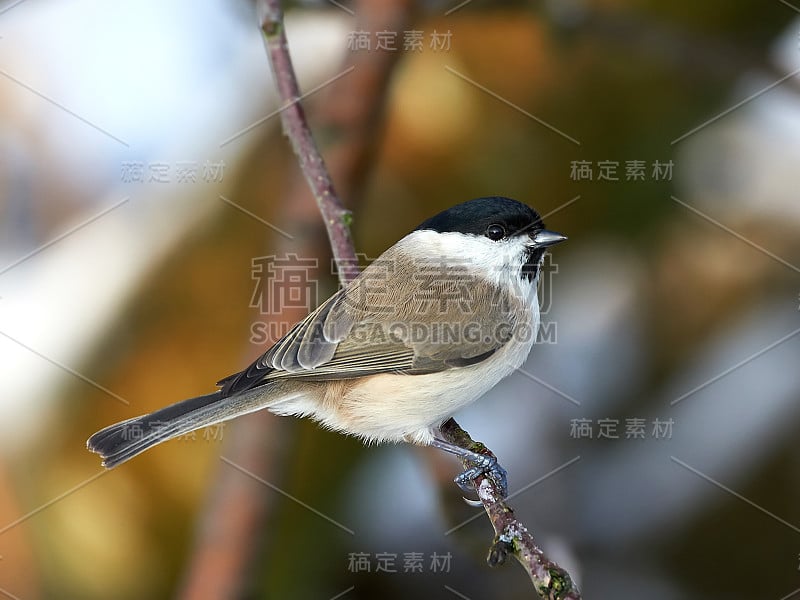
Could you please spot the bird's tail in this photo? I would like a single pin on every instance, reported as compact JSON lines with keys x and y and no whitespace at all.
{"x":122,"y":441}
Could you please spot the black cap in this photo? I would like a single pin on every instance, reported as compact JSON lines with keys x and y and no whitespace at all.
{"x":475,"y":216}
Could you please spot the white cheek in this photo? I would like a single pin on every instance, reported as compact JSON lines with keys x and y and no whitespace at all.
{"x":497,"y":262}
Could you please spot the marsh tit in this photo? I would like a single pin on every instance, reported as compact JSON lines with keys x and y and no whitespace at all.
{"x":426,"y":329}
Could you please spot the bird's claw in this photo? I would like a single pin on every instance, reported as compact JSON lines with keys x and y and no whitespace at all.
{"x":480,"y":465}
{"x":486,"y":466}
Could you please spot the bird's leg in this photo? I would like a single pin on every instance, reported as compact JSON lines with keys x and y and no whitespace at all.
{"x":482,"y":464}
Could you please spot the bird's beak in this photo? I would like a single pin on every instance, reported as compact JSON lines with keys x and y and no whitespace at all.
{"x":545,"y":238}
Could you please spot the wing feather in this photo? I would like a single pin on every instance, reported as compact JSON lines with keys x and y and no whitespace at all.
{"x":375,"y":325}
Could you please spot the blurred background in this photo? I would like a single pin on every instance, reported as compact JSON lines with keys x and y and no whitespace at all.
{"x":148,"y":202}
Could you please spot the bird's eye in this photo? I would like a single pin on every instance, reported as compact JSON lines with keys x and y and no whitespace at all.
{"x":495,"y":232}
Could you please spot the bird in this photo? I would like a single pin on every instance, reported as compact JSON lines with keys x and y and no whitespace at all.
{"x":427,"y":328}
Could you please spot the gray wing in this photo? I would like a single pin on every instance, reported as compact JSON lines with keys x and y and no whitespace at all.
{"x":374,"y":325}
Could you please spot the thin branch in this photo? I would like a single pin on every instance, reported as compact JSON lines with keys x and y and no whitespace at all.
{"x":510,"y":535}
{"x":336,"y":217}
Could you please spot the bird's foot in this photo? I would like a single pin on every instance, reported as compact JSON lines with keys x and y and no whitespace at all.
{"x":488,"y":467}
{"x":482,"y":465}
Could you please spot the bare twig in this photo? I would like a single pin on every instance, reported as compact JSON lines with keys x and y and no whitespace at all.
{"x":337,"y":218}
{"x":511,"y":536}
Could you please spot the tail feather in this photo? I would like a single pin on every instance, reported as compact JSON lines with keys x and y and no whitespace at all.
{"x":122,"y":441}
